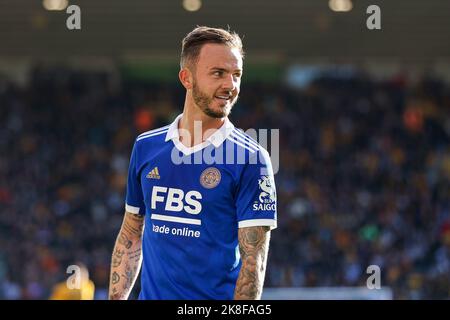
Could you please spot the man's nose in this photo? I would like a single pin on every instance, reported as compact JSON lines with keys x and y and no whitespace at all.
{"x":229,"y":83}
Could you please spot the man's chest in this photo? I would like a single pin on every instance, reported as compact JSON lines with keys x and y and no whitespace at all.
{"x":189,"y":189}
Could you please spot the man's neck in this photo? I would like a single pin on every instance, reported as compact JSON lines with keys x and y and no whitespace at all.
{"x":197,"y":125}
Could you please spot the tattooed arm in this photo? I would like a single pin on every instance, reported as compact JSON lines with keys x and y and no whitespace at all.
{"x":127,"y":257}
{"x":253,"y":246}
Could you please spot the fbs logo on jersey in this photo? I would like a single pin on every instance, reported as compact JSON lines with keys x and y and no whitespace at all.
{"x":154,"y":174}
{"x":175,"y":199}
{"x":267,"y":197}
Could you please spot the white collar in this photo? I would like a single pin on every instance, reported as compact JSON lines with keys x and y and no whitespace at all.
{"x":217,"y":138}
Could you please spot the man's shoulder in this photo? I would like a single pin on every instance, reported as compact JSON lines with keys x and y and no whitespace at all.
{"x":149,"y":141}
{"x":243,"y":141}
{"x":247,"y":144}
{"x":153,"y":134}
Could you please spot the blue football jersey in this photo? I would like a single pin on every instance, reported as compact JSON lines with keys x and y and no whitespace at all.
{"x":194,"y":200}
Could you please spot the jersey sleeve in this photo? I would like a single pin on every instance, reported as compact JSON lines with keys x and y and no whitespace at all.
{"x":256,"y":194}
{"x":134,"y":199}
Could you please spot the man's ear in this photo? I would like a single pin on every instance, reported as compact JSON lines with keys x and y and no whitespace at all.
{"x":185,"y":76}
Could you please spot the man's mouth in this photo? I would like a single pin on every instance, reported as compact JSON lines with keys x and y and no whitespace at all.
{"x":223,"y":97}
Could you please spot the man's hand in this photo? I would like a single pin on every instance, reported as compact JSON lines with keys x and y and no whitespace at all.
{"x":253,"y":247}
{"x":127,"y":257}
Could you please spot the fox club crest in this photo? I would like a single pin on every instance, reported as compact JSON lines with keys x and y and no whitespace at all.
{"x":210,"y":178}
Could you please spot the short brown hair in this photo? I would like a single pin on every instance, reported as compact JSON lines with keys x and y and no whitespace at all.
{"x":194,"y":41}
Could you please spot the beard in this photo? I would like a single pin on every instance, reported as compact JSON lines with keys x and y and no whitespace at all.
{"x":205,"y":103}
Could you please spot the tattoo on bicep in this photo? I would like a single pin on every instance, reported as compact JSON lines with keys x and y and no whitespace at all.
{"x":130,"y":229}
{"x":133,"y":225}
{"x":250,"y":239}
{"x":253,"y":250}
{"x":137,"y":218}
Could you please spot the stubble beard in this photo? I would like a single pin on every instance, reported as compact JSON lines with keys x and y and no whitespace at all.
{"x":204,"y":102}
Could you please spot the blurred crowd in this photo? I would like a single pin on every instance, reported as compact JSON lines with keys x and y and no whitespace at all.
{"x":363,"y":177}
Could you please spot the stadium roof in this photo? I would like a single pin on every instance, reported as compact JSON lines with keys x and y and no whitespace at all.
{"x":411,"y":30}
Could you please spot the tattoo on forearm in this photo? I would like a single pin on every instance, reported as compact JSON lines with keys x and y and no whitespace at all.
{"x":253,"y":247}
{"x":115,"y":278}
{"x":135,"y":256}
{"x":117,"y":257}
{"x":126,"y":258}
{"x":123,"y":240}
{"x":129,"y":276}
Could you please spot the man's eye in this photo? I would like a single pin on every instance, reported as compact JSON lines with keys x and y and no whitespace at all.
{"x":218,"y":73}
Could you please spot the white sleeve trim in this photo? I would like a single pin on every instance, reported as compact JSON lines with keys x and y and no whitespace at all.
{"x":258,"y":222}
{"x":131,"y":209}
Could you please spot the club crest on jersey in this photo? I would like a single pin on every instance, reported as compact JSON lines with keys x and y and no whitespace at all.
{"x":210,"y":178}
{"x":267,"y":196}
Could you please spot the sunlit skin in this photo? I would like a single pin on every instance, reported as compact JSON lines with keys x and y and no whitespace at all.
{"x":212,"y":88}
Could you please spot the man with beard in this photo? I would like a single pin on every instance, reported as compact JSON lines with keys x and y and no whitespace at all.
{"x":207,"y":224}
